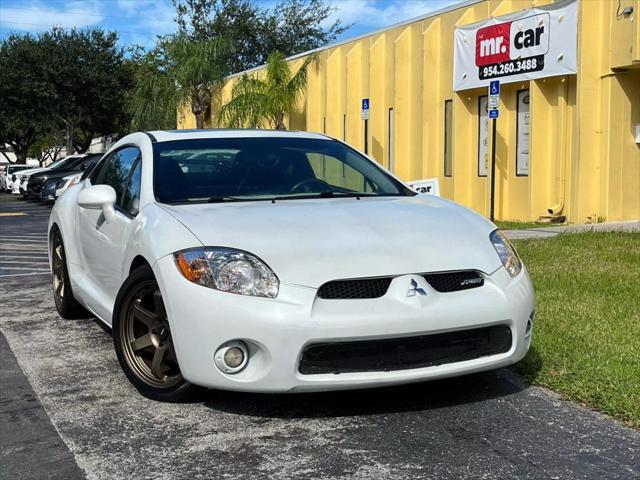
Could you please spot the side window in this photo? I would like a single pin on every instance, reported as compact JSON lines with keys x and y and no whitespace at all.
{"x":116,"y":169}
{"x":92,"y":173}
{"x":131,"y":196}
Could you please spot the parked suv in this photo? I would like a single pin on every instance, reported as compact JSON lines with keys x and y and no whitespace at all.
{"x":76,"y":164}
{"x":19,"y":186}
{"x":54,"y":183}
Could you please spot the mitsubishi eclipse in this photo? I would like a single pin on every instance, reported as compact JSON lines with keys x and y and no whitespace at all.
{"x":281,"y":262}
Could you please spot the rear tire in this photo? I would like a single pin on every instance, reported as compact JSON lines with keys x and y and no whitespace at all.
{"x":66,"y":304}
{"x":143,"y":343}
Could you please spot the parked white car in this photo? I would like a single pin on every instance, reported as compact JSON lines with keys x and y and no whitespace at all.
{"x":278,"y":262}
{"x":8,"y":175}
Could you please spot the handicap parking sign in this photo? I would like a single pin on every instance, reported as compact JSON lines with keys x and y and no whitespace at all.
{"x":365,"y":109}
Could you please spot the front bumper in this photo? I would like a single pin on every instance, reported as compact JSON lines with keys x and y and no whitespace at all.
{"x":277,"y":331}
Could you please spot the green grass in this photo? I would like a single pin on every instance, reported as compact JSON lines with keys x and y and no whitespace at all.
{"x":513,"y":225}
{"x":586,"y":343}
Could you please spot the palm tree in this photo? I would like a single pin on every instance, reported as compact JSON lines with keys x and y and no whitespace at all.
{"x":256,"y":102}
{"x":179,"y":72}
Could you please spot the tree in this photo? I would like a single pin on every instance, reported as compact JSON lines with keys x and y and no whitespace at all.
{"x":48,"y":146}
{"x":179,"y":72}
{"x":25,"y":94}
{"x":87,"y":73}
{"x":152,"y":100}
{"x":291,"y":27}
{"x":256,"y":102}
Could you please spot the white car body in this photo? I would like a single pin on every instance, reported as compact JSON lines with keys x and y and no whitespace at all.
{"x":307,"y":243}
{"x":22,"y":177}
{"x":6,"y":177}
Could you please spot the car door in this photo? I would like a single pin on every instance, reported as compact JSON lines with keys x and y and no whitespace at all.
{"x":103,"y":243}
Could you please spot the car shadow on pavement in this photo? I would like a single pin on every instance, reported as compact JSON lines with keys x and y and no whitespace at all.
{"x":412,"y":397}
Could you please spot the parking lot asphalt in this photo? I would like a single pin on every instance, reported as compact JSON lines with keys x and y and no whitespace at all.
{"x":487,"y":426}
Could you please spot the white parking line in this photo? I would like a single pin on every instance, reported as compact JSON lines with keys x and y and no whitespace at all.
{"x":39,"y":236}
{"x":31,"y":270}
{"x":28,"y":253}
{"x":24,"y":274}
{"x":22,"y":241}
{"x":32,"y":262}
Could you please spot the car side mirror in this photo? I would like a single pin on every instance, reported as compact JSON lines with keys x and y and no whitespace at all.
{"x":99,"y":197}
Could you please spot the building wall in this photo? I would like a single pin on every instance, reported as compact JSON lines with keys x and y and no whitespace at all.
{"x":584,"y":162}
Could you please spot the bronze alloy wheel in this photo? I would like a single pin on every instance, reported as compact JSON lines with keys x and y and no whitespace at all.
{"x":57,"y":270}
{"x":66,"y":304}
{"x":146,"y":338}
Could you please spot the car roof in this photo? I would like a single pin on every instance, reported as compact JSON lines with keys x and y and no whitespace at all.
{"x":169,"y":135}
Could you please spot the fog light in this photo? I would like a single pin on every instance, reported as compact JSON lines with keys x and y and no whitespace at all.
{"x":527,"y":331}
{"x":231,"y":357}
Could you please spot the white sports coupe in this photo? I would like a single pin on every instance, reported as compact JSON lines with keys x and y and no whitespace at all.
{"x":281,"y":262}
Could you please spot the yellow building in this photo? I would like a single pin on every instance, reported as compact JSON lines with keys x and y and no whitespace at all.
{"x":566,"y":145}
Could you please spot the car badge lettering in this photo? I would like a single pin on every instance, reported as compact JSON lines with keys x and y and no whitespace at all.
{"x":414,"y":289}
{"x":471,"y":281}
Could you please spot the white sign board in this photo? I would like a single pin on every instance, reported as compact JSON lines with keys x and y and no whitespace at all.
{"x":529,"y":44}
{"x":430,"y":186}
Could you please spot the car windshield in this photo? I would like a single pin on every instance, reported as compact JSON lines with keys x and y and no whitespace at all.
{"x":228,"y":169}
{"x":65,"y":163}
{"x":75,"y":164}
{"x":57,"y":163}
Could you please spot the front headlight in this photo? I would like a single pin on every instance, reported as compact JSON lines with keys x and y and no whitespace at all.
{"x":68,"y":181}
{"x":506,"y":252}
{"x":228,"y":270}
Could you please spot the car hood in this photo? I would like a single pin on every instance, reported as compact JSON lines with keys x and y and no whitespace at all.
{"x":49,"y":174}
{"x":309,"y":242}
{"x":26,"y":173}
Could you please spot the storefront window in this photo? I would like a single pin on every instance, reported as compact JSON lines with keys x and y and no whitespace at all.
{"x":483,"y":136}
{"x":522,"y":134}
{"x":391,"y":166}
{"x":448,"y":133}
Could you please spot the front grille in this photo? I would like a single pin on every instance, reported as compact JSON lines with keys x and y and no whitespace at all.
{"x":405,"y":353}
{"x":35,"y":184}
{"x":352,"y":289}
{"x":454,"y":281}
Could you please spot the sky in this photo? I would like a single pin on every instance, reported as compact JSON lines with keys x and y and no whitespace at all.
{"x":139,"y":21}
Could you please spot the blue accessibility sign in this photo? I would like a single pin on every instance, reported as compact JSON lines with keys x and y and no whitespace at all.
{"x":494,"y":113}
{"x":494,"y":87}
{"x":365,"y":109}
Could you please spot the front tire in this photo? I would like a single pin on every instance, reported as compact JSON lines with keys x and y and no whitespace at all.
{"x":143,"y":342}
{"x":66,"y":304}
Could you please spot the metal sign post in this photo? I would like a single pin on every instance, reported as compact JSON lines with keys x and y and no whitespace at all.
{"x":365,"y":117}
{"x":494,"y":112}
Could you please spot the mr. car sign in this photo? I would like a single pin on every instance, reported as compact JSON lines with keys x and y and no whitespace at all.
{"x":536,"y":43}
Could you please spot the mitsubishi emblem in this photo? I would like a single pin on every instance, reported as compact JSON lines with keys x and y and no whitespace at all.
{"x":415,"y":288}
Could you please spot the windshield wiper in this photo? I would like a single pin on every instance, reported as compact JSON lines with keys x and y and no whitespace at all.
{"x":221,"y":199}
{"x":331,"y":193}
{"x":325,"y":194}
